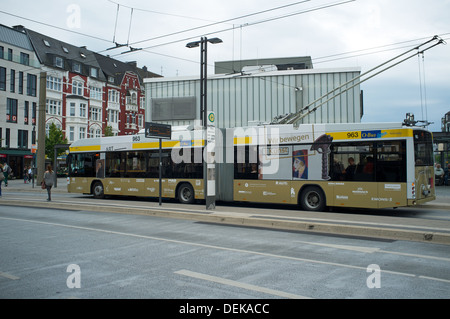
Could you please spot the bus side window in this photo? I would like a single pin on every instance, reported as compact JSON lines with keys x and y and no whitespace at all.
{"x":391,"y":161}
{"x":82,"y":164}
{"x":245,"y":162}
{"x":112,"y":164}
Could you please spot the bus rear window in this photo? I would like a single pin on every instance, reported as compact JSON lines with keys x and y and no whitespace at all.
{"x":423,"y":148}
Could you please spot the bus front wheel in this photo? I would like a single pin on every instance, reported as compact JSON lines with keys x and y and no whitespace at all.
{"x":312,"y":198}
{"x":98,"y":190}
{"x":186,"y":194}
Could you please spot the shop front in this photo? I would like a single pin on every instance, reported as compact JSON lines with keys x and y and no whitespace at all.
{"x":18,"y":160}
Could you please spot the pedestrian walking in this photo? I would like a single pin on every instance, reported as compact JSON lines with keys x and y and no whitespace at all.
{"x":30,"y":174}
{"x":6,"y":172}
{"x":25,"y":175}
{"x":2,"y":177}
{"x":49,"y":179}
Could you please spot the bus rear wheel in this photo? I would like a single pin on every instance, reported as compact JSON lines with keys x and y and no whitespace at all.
{"x":186,"y":194}
{"x":98,"y":190}
{"x":312,"y":198}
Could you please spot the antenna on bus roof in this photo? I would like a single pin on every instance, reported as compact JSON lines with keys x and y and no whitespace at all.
{"x":292,"y":118}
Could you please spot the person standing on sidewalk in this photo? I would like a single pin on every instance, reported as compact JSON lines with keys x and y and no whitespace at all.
{"x":49,"y":179}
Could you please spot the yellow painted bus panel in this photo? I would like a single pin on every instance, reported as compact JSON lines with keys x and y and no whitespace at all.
{"x":263,"y":191}
{"x":144,"y":187}
{"x":391,"y":195}
{"x":88,"y":148}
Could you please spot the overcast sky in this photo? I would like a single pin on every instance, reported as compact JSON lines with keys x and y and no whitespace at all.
{"x":358,"y":33}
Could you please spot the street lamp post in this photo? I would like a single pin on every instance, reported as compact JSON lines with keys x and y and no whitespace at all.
{"x":209,"y":168}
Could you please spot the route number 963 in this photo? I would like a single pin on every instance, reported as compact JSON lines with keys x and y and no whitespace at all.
{"x":353,"y":135}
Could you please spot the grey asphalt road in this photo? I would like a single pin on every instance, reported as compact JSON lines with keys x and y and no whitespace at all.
{"x":63,"y":254}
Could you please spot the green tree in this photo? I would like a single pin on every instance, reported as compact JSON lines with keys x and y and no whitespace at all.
{"x":55,"y":136}
{"x":109,"y":131}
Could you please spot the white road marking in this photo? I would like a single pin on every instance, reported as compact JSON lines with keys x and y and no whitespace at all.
{"x":238,"y":284}
{"x":361,"y":249}
{"x":372,"y":250}
{"x":9,"y":276}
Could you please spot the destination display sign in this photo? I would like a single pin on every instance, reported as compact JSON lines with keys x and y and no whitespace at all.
{"x":158,"y":130}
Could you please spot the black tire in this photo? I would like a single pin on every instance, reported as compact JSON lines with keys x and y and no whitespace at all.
{"x":97,"y":190}
{"x":312,"y":198}
{"x":186,"y":193}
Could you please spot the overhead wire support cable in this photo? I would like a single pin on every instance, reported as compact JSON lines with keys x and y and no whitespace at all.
{"x":221,"y":22}
{"x":246,"y":24}
{"x":295,"y":117}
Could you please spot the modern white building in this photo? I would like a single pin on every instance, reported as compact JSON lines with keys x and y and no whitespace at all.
{"x":19,"y":90}
{"x":255,"y":95}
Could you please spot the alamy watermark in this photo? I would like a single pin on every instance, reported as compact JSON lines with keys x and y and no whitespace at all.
{"x":73,"y":21}
{"x":374,"y":279}
{"x":74,"y":279}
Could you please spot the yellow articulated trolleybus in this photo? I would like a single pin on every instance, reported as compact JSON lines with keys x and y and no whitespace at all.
{"x":314,"y":166}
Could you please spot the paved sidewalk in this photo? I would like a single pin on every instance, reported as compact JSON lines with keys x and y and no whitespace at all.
{"x":19,"y":185}
{"x":442,"y":192}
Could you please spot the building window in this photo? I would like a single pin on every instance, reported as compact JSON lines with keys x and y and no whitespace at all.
{"x":11,"y":110}
{"x":95,"y":114}
{"x":12,"y":82}
{"x":10,"y":54}
{"x":31,"y":84}
{"x":94,"y":133}
{"x":53,"y":83}
{"x":77,"y":88}
{"x":2,"y":79}
{"x":76,"y":67}
{"x":2,"y":52}
{"x":7,"y":137}
{"x":24,"y":58}
{"x":26,"y":112}
{"x":72,"y":109}
{"x":113,"y":96}
{"x":113,"y":116}
{"x":33,"y":113}
{"x":20,"y":82}
{"x":83,"y":107}
{"x":71,"y":134}
{"x":59,"y":62}
{"x":95,"y":93}
{"x":82,"y":132}
{"x":22,"y":139}
{"x":94,"y":72}
{"x":53,"y":107}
